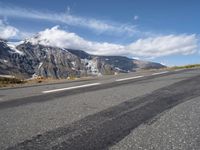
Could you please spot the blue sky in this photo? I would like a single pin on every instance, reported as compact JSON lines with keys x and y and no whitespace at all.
{"x":156,"y":30}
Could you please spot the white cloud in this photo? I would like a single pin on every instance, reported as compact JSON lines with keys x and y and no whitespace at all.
{"x":149,"y":47}
{"x":136,"y":17}
{"x":72,"y":20}
{"x":7,"y":31}
{"x":137,"y":58}
{"x":165,"y":45}
{"x":63,"y":39}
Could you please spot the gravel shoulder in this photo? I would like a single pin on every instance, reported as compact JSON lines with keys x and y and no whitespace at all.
{"x":175,"y":129}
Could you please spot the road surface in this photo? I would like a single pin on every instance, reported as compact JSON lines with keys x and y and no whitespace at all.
{"x":159,"y":110}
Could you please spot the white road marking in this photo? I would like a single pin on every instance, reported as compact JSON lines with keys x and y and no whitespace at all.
{"x":71,"y":88}
{"x":123,"y":79}
{"x":157,"y":73}
{"x":179,"y":69}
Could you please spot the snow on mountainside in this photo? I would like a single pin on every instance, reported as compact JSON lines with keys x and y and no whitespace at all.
{"x":32,"y":58}
{"x":12,"y":46}
{"x":13,"y":63}
{"x":119,"y":63}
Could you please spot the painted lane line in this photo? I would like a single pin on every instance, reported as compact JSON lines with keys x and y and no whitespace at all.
{"x":157,"y":73}
{"x":124,"y":79}
{"x":179,"y":69}
{"x":71,"y":88}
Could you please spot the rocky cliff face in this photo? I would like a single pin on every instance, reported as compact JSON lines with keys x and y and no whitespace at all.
{"x":119,"y":63}
{"x":13,"y":62}
{"x":28,"y":60}
{"x":50,"y":61}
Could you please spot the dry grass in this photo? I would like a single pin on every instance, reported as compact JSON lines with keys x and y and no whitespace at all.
{"x":185,"y":67}
{"x":4,"y":81}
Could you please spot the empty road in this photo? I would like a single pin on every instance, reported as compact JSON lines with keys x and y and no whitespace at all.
{"x":152,"y":110}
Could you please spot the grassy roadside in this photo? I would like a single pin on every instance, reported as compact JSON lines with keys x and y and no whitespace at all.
{"x":5,"y":81}
{"x":185,"y":67}
{"x":15,"y":82}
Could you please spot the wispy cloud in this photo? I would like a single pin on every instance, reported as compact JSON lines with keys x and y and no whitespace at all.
{"x":149,"y":47}
{"x":69,"y":19}
{"x":7,"y":31}
{"x":136,"y":17}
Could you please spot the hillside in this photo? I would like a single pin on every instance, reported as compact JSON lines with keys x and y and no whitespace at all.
{"x":26,"y":60}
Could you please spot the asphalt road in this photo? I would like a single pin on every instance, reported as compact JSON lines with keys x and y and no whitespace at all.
{"x":130,"y":111}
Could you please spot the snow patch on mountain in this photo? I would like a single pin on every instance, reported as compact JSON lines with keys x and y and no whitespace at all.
{"x":40,"y":65}
{"x":12,"y":46}
{"x":91,"y":65}
{"x":3,"y":61}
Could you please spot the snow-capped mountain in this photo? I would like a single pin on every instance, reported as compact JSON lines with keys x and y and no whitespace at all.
{"x":31,"y":58}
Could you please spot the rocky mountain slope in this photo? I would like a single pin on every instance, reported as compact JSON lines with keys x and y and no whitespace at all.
{"x":26,"y":60}
{"x":119,"y":63}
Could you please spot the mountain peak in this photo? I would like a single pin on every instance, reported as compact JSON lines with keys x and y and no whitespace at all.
{"x":51,"y":37}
